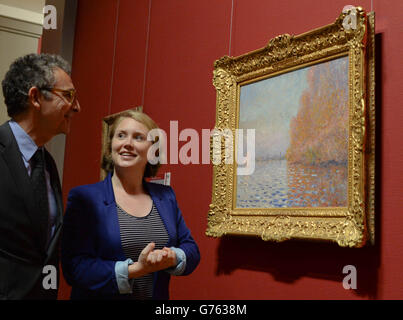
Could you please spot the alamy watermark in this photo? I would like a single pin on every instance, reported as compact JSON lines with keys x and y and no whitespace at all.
{"x":350,"y":280}
{"x":223,"y":142}
{"x":50,"y":279}
{"x":50,"y":17}
{"x":350,"y":20}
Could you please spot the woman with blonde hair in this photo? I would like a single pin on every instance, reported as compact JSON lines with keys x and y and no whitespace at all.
{"x":124,"y":237}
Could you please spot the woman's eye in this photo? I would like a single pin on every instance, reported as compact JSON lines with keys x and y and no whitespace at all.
{"x":139,"y":138}
{"x":120,"y":135}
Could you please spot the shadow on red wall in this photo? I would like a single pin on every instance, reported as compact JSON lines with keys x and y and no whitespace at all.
{"x":292,"y":260}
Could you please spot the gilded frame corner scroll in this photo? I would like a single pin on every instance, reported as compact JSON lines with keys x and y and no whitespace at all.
{"x":352,"y":225}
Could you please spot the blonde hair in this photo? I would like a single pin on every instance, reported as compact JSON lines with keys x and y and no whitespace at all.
{"x":107,"y":163}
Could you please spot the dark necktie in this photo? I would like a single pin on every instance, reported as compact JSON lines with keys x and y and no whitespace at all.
{"x":39,"y":184}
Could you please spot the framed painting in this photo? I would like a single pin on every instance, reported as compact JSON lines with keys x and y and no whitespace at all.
{"x":299,"y":116}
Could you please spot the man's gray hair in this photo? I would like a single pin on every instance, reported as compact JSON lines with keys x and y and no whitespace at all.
{"x":32,"y":70}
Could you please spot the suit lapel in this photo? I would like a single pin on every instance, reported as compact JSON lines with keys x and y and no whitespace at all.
{"x":13,"y":159}
{"x":55,"y":183}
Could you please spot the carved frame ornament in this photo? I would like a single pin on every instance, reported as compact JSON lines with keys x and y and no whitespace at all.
{"x":351,"y":226}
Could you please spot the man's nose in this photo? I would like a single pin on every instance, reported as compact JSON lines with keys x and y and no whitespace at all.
{"x":76,"y":106}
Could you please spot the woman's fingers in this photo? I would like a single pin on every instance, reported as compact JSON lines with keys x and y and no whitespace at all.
{"x":157,"y":256}
{"x":149,"y":248}
{"x":157,"y":259}
{"x":152,"y":260}
{"x":145,"y":253}
{"x":170,"y":253}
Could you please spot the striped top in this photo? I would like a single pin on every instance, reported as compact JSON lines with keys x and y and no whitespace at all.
{"x":135,"y":234}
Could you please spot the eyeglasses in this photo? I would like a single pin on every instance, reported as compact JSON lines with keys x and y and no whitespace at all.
{"x":70,"y":95}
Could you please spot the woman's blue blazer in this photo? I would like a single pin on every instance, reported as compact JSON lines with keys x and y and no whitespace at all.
{"x":91,"y":242}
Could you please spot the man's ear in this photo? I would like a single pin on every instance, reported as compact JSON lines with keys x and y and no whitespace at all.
{"x":34,"y":97}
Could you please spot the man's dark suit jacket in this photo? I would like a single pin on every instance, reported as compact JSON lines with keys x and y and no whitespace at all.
{"x":23,"y":228}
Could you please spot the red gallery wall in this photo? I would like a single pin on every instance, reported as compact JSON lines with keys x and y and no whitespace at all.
{"x":160,"y":54}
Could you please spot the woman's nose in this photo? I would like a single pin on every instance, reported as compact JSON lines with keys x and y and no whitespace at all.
{"x":128,"y":143}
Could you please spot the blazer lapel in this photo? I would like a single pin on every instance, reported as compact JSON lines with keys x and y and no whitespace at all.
{"x":111,"y":220}
{"x":163,"y":208}
{"x":12,"y":157}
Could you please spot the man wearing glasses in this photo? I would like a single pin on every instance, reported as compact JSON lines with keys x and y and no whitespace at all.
{"x":41,"y":100}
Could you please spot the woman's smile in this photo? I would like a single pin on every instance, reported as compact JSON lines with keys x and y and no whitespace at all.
{"x":128,"y":155}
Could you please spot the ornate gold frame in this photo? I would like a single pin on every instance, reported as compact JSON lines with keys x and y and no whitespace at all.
{"x":352,"y":226}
